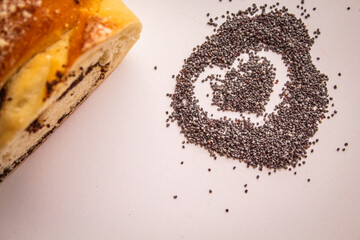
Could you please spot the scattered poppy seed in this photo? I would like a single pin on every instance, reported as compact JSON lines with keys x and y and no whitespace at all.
{"x":155,"y":67}
{"x":308,"y":180}
{"x":282,"y":147}
{"x":175,"y":196}
{"x":346,"y":144}
{"x":182,"y":162}
{"x":257,"y":177}
{"x":226,"y":210}
{"x":210,"y":191}
{"x":269,"y":173}
{"x":338,"y":149}
{"x":339,"y":74}
{"x":234,"y":167}
{"x":348,"y":8}
{"x":246,"y":191}
{"x":335,"y":86}
{"x":209,"y":169}
{"x":245,"y":185}
{"x":343,"y":149}
{"x":294,"y":173}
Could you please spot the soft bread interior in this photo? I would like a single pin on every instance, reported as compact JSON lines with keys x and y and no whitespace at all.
{"x":85,"y":75}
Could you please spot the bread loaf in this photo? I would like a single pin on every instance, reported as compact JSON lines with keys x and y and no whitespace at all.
{"x":53,"y":54}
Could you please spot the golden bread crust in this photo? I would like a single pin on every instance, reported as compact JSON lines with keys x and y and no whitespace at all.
{"x":28,"y":27}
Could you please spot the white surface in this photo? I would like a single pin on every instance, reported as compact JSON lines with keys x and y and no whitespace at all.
{"x":111,"y":170}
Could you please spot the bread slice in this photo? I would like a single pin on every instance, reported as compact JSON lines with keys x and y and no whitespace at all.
{"x":40,"y":90}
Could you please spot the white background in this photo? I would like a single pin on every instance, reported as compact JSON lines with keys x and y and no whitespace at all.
{"x":111,"y":170}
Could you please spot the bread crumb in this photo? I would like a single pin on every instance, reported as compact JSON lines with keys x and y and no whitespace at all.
{"x":21,"y":4}
{"x":26,"y":14}
{"x":12,"y":8}
{"x":3,"y":43}
{"x":38,"y":3}
{"x":96,"y":32}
